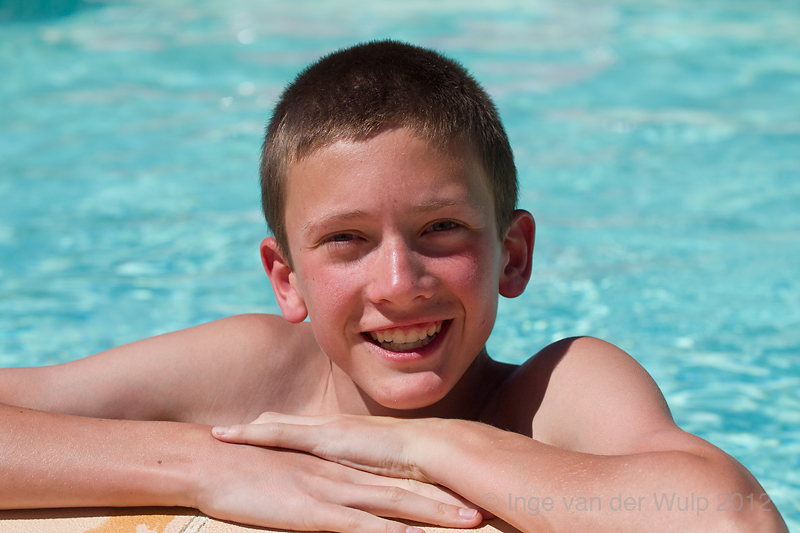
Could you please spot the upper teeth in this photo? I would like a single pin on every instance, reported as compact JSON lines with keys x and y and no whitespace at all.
{"x":397,"y":336}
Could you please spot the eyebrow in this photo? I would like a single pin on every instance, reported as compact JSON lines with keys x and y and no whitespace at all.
{"x":357,"y":214}
{"x":336,"y":217}
{"x":439,"y":204}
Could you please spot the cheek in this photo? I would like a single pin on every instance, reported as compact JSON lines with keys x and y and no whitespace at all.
{"x":327,"y":292}
{"x":477,"y":269}
{"x":328,"y":311}
{"x":474,"y":278}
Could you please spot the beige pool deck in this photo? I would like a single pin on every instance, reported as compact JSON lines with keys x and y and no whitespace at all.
{"x":154,"y":520}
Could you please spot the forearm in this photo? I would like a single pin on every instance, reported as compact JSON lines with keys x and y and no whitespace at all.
{"x":536,"y":487}
{"x":51,"y":460}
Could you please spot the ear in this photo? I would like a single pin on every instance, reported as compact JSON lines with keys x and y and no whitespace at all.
{"x":284,"y":282}
{"x":518,"y":248}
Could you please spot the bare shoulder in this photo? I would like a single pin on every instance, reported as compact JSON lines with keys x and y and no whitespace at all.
{"x":588,"y":396}
{"x":584,"y":394}
{"x":219,"y":372}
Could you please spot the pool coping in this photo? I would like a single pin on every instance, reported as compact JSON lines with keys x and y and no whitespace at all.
{"x":153,"y":520}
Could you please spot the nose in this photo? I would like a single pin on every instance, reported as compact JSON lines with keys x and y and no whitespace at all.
{"x":399,"y":274}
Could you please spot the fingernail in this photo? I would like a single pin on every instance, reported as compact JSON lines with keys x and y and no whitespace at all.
{"x":412,"y":529}
{"x":219,"y":431}
{"x":468,"y":514}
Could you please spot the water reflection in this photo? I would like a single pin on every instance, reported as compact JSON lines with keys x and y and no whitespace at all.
{"x":14,"y":10}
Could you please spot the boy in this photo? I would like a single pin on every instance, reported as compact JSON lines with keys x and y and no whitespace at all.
{"x":390,"y":189}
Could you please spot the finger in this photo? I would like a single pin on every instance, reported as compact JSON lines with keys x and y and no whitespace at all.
{"x":316,"y":435}
{"x":395,"y":502}
{"x":274,"y":434}
{"x":436,"y":493}
{"x":321,"y":440}
{"x":372,"y":453}
{"x":423,"y":488}
{"x":300,"y":420}
{"x":328,"y":517}
{"x":440,"y":494}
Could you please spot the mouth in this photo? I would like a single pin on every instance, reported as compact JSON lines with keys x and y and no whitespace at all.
{"x":405,"y":339}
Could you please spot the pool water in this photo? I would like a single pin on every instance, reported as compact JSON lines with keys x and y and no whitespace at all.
{"x":658,"y":146}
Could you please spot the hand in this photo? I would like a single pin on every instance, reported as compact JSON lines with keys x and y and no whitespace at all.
{"x":291,"y":490}
{"x":380,"y":445}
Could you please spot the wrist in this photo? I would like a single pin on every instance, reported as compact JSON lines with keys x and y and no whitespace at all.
{"x":436,"y":447}
{"x":172,"y":470}
{"x":453,"y":451}
{"x":194,"y":481}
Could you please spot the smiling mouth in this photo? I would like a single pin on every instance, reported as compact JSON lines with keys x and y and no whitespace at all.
{"x":397,"y":340}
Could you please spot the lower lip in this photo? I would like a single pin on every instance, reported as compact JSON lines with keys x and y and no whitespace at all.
{"x":412,"y":355}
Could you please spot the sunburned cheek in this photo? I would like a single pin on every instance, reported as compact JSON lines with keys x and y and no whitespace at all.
{"x":327,"y":294}
{"x":476,"y":279}
{"x":329,"y":282}
{"x":470,"y":271}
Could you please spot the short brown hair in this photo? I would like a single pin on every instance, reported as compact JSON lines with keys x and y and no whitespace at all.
{"x":356,"y":93}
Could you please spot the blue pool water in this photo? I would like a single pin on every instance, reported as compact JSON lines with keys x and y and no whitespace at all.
{"x":658,"y":145}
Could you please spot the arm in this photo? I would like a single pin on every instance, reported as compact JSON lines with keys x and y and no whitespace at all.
{"x":219,"y":372}
{"x":52,"y":460}
{"x":537,"y":487}
{"x":605,"y":455}
{"x":57,"y":459}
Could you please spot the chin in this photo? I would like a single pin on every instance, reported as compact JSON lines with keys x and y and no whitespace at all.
{"x":412,"y":393}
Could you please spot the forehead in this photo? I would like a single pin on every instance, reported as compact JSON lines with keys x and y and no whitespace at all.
{"x":393,"y":168}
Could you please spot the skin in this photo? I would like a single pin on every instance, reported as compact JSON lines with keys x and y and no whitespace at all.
{"x":400,"y":232}
{"x":388,"y":233}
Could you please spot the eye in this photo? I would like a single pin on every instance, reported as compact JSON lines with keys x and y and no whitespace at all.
{"x":340,"y":237}
{"x":443,"y":225}
{"x":343,"y":240}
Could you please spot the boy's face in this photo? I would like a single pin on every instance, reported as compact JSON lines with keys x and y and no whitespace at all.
{"x":396,"y":261}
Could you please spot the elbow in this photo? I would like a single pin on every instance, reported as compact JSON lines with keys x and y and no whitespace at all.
{"x":760,"y":519}
{"x":740,"y":503}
